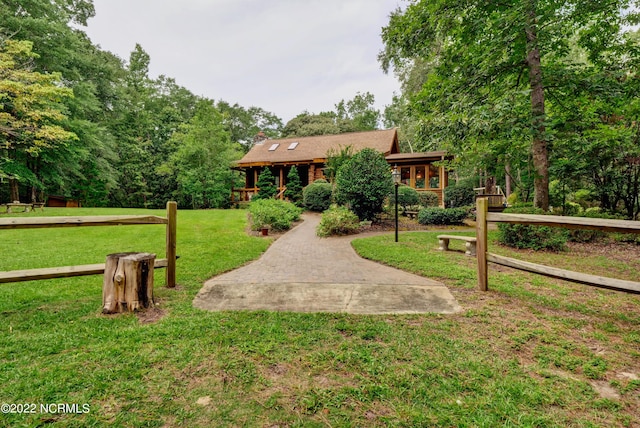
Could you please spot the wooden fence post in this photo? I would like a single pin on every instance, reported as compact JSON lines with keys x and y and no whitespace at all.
{"x":172,"y":216}
{"x":482,"y":205}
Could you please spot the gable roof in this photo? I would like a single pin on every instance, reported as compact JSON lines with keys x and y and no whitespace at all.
{"x":315,"y":148}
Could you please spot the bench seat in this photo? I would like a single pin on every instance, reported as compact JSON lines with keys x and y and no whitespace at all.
{"x":470,"y":243}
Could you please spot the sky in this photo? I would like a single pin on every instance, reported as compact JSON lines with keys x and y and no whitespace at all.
{"x":285,"y":56}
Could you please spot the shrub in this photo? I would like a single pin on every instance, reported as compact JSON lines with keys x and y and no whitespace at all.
{"x":266,"y":185}
{"x":363,"y":183}
{"x":459,"y":195}
{"x":274,"y":213}
{"x":338,"y":221}
{"x":437,"y":215}
{"x":532,"y":237}
{"x":294,"y":187}
{"x":407,"y":196}
{"x":580,"y":235}
{"x":428,"y":199}
{"x":317,"y":195}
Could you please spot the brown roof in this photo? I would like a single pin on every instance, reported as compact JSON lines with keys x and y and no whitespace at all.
{"x":398,"y":157}
{"x":313,"y":148}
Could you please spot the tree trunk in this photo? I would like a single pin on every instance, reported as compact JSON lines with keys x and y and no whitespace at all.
{"x":507,"y":179}
{"x":539,"y":143}
{"x":14,"y":190}
{"x":128,"y":282}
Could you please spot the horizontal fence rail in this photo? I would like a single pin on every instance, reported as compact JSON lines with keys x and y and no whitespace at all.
{"x":113,"y":220}
{"x":484,"y":217}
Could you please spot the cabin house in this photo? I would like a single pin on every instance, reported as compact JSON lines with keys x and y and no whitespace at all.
{"x":309,"y":155}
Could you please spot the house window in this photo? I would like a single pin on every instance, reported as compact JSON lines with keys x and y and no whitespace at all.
{"x":434,"y":177}
{"x":405,"y":175}
{"x":420,"y":177}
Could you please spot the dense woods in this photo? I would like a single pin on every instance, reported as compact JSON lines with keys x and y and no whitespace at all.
{"x":539,"y":96}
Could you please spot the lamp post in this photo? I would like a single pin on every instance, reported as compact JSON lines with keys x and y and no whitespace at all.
{"x":396,"y":181}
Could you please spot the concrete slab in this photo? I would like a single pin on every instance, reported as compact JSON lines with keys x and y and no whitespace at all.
{"x":303,"y":273}
{"x":349,"y":298}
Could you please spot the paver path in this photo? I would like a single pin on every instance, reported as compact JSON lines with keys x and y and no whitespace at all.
{"x":300,"y":272}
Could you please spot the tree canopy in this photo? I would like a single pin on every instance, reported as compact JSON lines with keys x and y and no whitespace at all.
{"x":488,"y":79}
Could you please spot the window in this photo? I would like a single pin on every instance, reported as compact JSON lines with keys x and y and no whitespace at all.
{"x":420,"y":177}
{"x":293,"y":145}
{"x":405,"y":175}
{"x":273,"y":147}
{"x":434,"y":177}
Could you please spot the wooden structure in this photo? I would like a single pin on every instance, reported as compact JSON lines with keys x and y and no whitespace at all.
{"x":483,"y":216}
{"x":25,"y":207}
{"x":470,"y":243}
{"x":68,"y":271}
{"x":128,"y":282}
{"x":309,"y":155}
{"x":62,"y":202}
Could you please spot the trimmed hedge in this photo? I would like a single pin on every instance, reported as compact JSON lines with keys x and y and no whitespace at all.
{"x":459,"y":195}
{"x":274,"y":213}
{"x":338,"y":221}
{"x":317,"y":195}
{"x":437,"y":215}
{"x":407,"y":196}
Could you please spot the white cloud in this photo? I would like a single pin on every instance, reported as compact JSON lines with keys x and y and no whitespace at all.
{"x":285,"y":56}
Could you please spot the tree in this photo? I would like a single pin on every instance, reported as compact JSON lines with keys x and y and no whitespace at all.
{"x":244,"y":124}
{"x":203,"y":160}
{"x":294,"y":186}
{"x":484,"y":58}
{"x":359,"y":112}
{"x":31,"y":116}
{"x":363,"y":183}
{"x":266,"y":185}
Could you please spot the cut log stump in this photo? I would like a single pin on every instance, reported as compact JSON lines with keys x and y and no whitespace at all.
{"x":128,"y":282}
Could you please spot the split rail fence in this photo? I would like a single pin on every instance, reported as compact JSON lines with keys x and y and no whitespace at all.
{"x":113,"y":220}
{"x":483,"y":217}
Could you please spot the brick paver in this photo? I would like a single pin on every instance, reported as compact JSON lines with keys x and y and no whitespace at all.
{"x":300,"y":269}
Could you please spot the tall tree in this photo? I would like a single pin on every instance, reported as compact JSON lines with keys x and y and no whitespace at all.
{"x":479,"y":52}
{"x":31,"y":114}
{"x":203,"y":159}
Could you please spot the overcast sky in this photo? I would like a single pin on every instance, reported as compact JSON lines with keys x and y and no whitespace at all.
{"x":285,"y":56}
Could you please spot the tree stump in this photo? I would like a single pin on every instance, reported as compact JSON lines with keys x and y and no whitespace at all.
{"x":128,"y":282}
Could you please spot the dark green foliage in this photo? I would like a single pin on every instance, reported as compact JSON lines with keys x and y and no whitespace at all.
{"x":436,"y":215}
{"x":338,"y":221}
{"x":459,"y":195}
{"x":294,"y":187}
{"x":579,"y":235}
{"x":407,"y":196}
{"x":317,"y":195}
{"x":335,"y":159}
{"x":266,"y":185}
{"x":532,"y":237}
{"x":274,"y":213}
{"x":363,"y":183}
{"x":428,"y":199}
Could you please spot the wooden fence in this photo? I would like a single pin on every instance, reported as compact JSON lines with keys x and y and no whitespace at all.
{"x":115,"y":220}
{"x":483,"y":217}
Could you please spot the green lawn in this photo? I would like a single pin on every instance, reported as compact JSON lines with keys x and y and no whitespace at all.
{"x":530,"y":352}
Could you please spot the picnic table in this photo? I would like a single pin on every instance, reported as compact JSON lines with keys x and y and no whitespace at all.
{"x":9,"y":207}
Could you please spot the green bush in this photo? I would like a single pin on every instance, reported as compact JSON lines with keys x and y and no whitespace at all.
{"x":317,"y":195}
{"x":266,"y":185}
{"x":532,"y":237}
{"x":580,"y":235}
{"x":363,"y":183}
{"x":273,"y":213}
{"x":428,"y":199}
{"x":407,"y":196}
{"x":436,"y":215}
{"x":338,"y":221}
{"x":459,"y":195}
{"x":294,"y":187}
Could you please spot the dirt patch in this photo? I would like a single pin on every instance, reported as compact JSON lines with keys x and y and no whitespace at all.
{"x":151,"y":315}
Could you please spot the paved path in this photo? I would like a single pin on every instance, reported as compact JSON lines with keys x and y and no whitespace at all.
{"x":300,"y":272}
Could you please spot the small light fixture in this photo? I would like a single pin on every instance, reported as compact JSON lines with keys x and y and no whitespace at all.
{"x":396,"y":175}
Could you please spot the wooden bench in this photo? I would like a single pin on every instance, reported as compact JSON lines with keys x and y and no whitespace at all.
{"x":25,"y":207}
{"x":38,"y":205}
{"x":411,"y":214}
{"x":470,"y":243}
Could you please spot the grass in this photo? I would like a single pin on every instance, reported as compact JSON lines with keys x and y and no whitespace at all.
{"x":530,"y":352}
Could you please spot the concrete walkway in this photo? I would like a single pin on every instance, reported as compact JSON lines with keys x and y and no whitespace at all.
{"x":300,"y":272}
